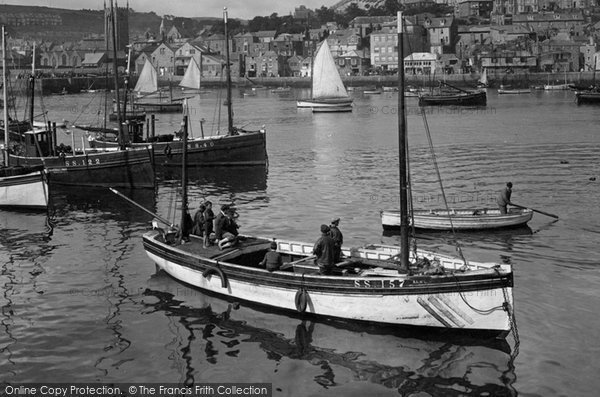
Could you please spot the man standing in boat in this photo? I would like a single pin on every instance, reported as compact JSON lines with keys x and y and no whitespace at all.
{"x":324,"y":250}
{"x":503,"y":199}
{"x":337,"y":237}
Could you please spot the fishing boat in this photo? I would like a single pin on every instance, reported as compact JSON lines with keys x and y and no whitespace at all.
{"x":149,"y":97}
{"x":460,"y":220}
{"x":458,"y":98}
{"x":374,"y":283}
{"x":123,"y":167}
{"x":327,"y":88}
{"x":20,"y":187}
{"x":239,"y":147}
{"x":585,"y":97}
{"x":372,"y":91}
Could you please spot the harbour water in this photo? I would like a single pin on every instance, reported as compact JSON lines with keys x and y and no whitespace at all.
{"x":82,"y":303}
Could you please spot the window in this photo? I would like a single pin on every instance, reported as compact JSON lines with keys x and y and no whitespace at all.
{"x":162,"y":51}
{"x":508,"y":60}
{"x":341,"y":62}
{"x":192,"y":51}
{"x":354,"y":61}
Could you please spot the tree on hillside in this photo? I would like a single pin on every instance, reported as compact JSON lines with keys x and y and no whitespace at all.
{"x":324,"y":15}
{"x":353,"y":11}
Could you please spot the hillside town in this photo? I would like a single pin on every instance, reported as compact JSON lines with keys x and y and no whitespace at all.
{"x":444,"y":37}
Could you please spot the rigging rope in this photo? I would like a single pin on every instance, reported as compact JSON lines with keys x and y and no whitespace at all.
{"x":439,"y":177}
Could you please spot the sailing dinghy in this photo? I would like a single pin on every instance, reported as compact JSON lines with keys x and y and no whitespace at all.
{"x":327,"y":89}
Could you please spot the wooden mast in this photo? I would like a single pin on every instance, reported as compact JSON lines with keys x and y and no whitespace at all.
{"x":4,"y":95}
{"x":228,"y":66}
{"x":184,"y":179}
{"x":116,"y":75}
{"x":402,"y":148}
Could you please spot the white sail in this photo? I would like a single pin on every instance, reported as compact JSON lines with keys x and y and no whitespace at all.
{"x":148,"y":80}
{"x":327,"y":82}
{"x":191,"y":78}
{"x":483,"y":79}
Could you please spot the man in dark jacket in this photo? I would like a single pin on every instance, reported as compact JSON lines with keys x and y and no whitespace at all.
{"x":337,"y":237}
{"x":324,"y":250}
{"x":504,"y":198}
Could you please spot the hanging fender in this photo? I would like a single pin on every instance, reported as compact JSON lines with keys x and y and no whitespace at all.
{"x":217,"y":272}
{"x":301,"y":300}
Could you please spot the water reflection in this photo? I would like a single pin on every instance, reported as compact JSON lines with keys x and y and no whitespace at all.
{"x":405,"y":360}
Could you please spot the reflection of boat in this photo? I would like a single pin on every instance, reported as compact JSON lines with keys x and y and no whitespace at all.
{"x":332,"y":109}
{"x":395,"y":358}
{"x":466,"y":219}
{"x":367,"y":285}
{"x":327,"y":89}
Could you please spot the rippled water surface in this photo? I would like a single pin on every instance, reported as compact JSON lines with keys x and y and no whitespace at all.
{"x":81,"y":301}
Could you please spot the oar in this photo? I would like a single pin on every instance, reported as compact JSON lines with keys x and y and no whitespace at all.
{"x":534,"y":210}
{"x":163,"y":220}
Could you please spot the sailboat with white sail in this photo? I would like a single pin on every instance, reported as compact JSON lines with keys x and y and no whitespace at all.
{"x":149,"y":97}
{"x":327,"y":90}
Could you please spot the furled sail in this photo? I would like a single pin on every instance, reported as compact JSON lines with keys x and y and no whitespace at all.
{"x":327,"y":82}
{"x":191,"y":78}
{"x":148,"y":80}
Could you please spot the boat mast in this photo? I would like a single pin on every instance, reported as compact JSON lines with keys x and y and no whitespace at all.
{"x":4,"y":95}
{"x":116,"y":75}
{"x":228,"y":66}
{"x":402,"y":146}
{"x":32,"y":86}
{"x":184,"y":179}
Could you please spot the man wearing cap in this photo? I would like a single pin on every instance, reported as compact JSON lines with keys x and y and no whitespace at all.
{"x":504,"y":198}
{"x":337,"y":237}
{"x":221,"y":222}
{"x":324,"y":250}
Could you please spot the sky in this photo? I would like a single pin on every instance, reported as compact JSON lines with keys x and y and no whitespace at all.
{"x":245,"y":9}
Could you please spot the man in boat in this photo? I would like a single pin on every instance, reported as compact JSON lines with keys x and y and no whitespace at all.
{"x":225,"y":227}
{"x":503,"y":199}
{"x":272,"y":260}
{"x":324,"y":251}
{"x":209,"y":217}
{"x":337,"y":237}
{"x":198,"y":228}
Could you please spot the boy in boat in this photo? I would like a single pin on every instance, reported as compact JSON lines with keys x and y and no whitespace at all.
{"x":324,"y":251}
{"x":337,"y":237}
{"x":272,"y":260}
{"x":504,"y":198}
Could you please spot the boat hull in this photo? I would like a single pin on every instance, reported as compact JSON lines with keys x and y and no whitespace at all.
{"x":29,"y":190}
{"x":324,"y":103}
{"x":429,"y":301}
{"x":485,"y":219}
{"x":514,"y":91}
{"x":470,"y":99}
{"x":587,"y":97}
{"x":116,"y":168}
{"x":244,"y":149}
{"x":332,"y":109}
{"x":159,"y":107}
{"x":556,"y":87}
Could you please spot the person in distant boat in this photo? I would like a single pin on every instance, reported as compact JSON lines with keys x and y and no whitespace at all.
{"x":209,"y":217}
{"x":503,"y":199}
{"x":337,"y":237}
{"x":198,"y":228}
{"x":324,"y":250}
{"x":272,"y":260}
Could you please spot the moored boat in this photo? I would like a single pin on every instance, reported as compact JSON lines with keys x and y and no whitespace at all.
{"x":474,"y":98}
{"x":509,"y":90}
{"x":23,"y":187}
{"x":460,"y":220}
{"x":592,"y":97}
{"x":374,"y":283}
